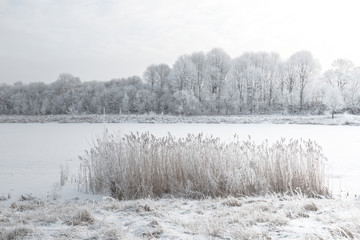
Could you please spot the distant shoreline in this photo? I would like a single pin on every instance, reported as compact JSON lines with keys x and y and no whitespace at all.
{"x":341,"y":119}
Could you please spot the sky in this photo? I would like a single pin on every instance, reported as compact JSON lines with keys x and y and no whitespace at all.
{"x":106,"y":39}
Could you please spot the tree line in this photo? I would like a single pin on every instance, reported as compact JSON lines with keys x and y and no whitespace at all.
{"x":200,"y":83}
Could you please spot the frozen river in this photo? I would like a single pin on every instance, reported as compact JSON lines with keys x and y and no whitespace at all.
{"x":31,"y":154}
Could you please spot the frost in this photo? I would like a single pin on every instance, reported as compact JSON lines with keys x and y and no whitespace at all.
{"x":142,"y":165}
{"x":266,"y":217}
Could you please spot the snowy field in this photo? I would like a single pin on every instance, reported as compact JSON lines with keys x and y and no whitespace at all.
{"x":31,"y":155}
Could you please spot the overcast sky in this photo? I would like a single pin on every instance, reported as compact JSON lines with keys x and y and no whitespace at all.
{"x":105,"y":39}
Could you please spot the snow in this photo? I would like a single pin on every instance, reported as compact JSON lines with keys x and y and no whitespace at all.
{"x":31,"y":155}
{"x":268,"y":217}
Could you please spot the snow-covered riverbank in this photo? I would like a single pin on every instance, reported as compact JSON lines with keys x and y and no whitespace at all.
{"x":268,"y":217}
{"x":341,"y":119}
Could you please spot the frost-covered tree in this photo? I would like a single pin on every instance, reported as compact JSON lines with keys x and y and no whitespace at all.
{"x":303,"y":67}
{"x":334,"y":99}
{"x":66,"y":94}
{"x":352,"y":91}
{"x":5,"y":103}
{"x":184,"y":102}
{"x":125,"y":104}
{"x":163,"y":71}
{"x":255,"y":76}
{"x":290,"y":78}
{"x":238,"y":80}
{"x":211,"y":83}
{"x":151,"y":76}
{"x":269,"y":67}
{"x":199,"y":61}
{"x":228,"y":101}
{"x":131,"y":92}
{"x":253,"y":79}
{"x":218,"y":67}
{"x":91,"y":97}
{"x":340,"y":73}
{"x":157,"y":75}
{"x":183,"y":74}
{"x":35,"y":96}
{"x":144,"y":101}
{"x":346,"y":77}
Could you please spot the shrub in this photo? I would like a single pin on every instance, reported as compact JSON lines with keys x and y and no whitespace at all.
{"x":142,"y":165}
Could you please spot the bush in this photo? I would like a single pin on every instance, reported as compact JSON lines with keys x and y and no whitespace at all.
{"x":142,"y":165}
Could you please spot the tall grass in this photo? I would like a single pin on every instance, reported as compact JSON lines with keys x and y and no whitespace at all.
{"x":142,"y":165}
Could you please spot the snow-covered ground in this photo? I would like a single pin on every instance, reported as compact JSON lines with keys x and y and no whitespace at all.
{"x":31,"y":155}
{"x":268,"y":217}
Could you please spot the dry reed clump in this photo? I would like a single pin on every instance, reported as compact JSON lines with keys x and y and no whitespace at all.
{"x":81,"y":217}
{"x":26,"y":203}
{"x":142,"y":165}
{"x":64,"y":174}
{"x":3,"y":198}
{"x":16,"y":233}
